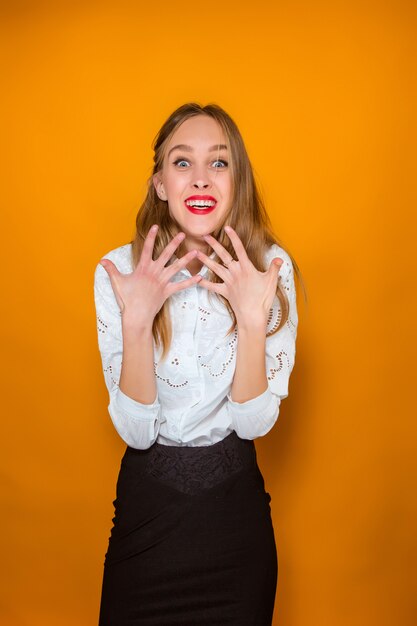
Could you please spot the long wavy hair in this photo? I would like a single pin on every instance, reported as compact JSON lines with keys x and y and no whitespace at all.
{"x":247,"y":215}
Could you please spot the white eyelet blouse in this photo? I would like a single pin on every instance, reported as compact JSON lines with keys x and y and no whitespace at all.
{"x":193,"y":405}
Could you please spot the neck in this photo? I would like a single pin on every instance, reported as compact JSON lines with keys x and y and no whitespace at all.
{"x":195,"y":265}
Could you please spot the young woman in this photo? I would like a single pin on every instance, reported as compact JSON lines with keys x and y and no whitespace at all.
{"x":197,"y":324}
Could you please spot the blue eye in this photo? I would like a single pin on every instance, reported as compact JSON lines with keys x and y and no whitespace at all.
{"x":181,"y":160}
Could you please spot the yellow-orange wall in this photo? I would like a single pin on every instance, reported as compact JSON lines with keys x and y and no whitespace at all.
{"x":324,"y":95}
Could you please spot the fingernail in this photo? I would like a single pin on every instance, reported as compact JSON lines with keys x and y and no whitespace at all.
{"x":227,"y":228}
{"x":154,"y":228}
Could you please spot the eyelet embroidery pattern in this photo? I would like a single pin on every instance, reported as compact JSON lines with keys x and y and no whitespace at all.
{"x":109,"y":369}
{"x":281,"y":356}
{"x":270,"y":318}
{"x":168,"y":380}
{"x":291,"y":326}
{"x":225,"y":363}
{"x":205,"y":314}
{"x":101,"y":326}
{"x":287,"y":280}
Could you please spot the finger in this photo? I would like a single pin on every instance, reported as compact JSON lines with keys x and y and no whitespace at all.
{"x":146,"y":256}
{"x":183,"y":284}
{"x":175,"y":267}
{"x":222,"y":253}
{"x":214,"y":287}
{"x":167,"y":253}
{"x":273,"y":270}
{"x":276,"y":265}
{"x":110,"y":268}
{"x":113,"y":274}
{"x":237,"y":245}
{"x":220,"y":270}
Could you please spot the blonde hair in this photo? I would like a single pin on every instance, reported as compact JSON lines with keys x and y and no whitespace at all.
{"x":247,"y":215}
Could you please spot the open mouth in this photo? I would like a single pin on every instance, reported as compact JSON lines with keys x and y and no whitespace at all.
{"x":201,"y":206}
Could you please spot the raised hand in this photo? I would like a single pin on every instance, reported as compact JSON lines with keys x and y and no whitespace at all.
{"x":142,"y":293}
{"x":249,"y":291}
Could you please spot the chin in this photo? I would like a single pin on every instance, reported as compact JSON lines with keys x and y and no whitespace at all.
{"x":199,"y":230}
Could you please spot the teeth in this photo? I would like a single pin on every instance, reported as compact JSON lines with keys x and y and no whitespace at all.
{"x":200,"y":203}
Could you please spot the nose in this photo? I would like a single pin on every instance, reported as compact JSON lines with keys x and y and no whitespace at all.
{"x":201,"y":178}
{"x":200,"y":184}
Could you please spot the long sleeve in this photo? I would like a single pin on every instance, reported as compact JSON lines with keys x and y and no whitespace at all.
{"x":137,"y":424}
{"x":257,"y":416}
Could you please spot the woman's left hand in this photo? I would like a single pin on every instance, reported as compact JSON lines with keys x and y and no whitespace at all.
{"x":249,"y":291}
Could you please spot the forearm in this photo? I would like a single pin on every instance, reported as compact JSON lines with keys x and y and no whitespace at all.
{"x":137,"y":377}
{"x":250,"y":378}
{"x":252,"y":407}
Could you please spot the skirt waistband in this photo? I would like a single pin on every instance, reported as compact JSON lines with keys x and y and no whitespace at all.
{"x":191,"y":469}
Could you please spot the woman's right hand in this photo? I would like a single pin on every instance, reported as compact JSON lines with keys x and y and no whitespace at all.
{"x":142,"y":293}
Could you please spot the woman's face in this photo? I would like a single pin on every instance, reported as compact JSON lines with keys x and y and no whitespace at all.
{"x":196,"y":171}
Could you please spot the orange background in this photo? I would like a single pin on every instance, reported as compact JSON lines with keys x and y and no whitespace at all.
{"x":324,"y":98}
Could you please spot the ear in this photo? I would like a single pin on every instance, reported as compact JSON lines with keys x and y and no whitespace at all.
{"x":159,"y":187}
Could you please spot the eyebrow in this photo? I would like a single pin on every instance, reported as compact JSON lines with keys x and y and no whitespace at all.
{"x":183,"y":146}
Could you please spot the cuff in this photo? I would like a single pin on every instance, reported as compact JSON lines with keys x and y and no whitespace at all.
{"x":134,"y":408}
{"x":254,"y":406}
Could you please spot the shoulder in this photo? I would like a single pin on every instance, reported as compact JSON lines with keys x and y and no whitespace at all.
{"x":108,"y":311}
{"x":276,"y":250}
{"x":103,"y":290}
{"x":121,"y":257}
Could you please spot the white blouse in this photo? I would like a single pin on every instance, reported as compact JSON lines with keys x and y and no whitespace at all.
{"x":193,"y":405}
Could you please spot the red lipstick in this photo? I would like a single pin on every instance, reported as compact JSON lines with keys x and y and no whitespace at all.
{"x":202,"y":211}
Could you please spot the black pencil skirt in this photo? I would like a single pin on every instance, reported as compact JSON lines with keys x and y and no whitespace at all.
{"x":192,"y":541}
